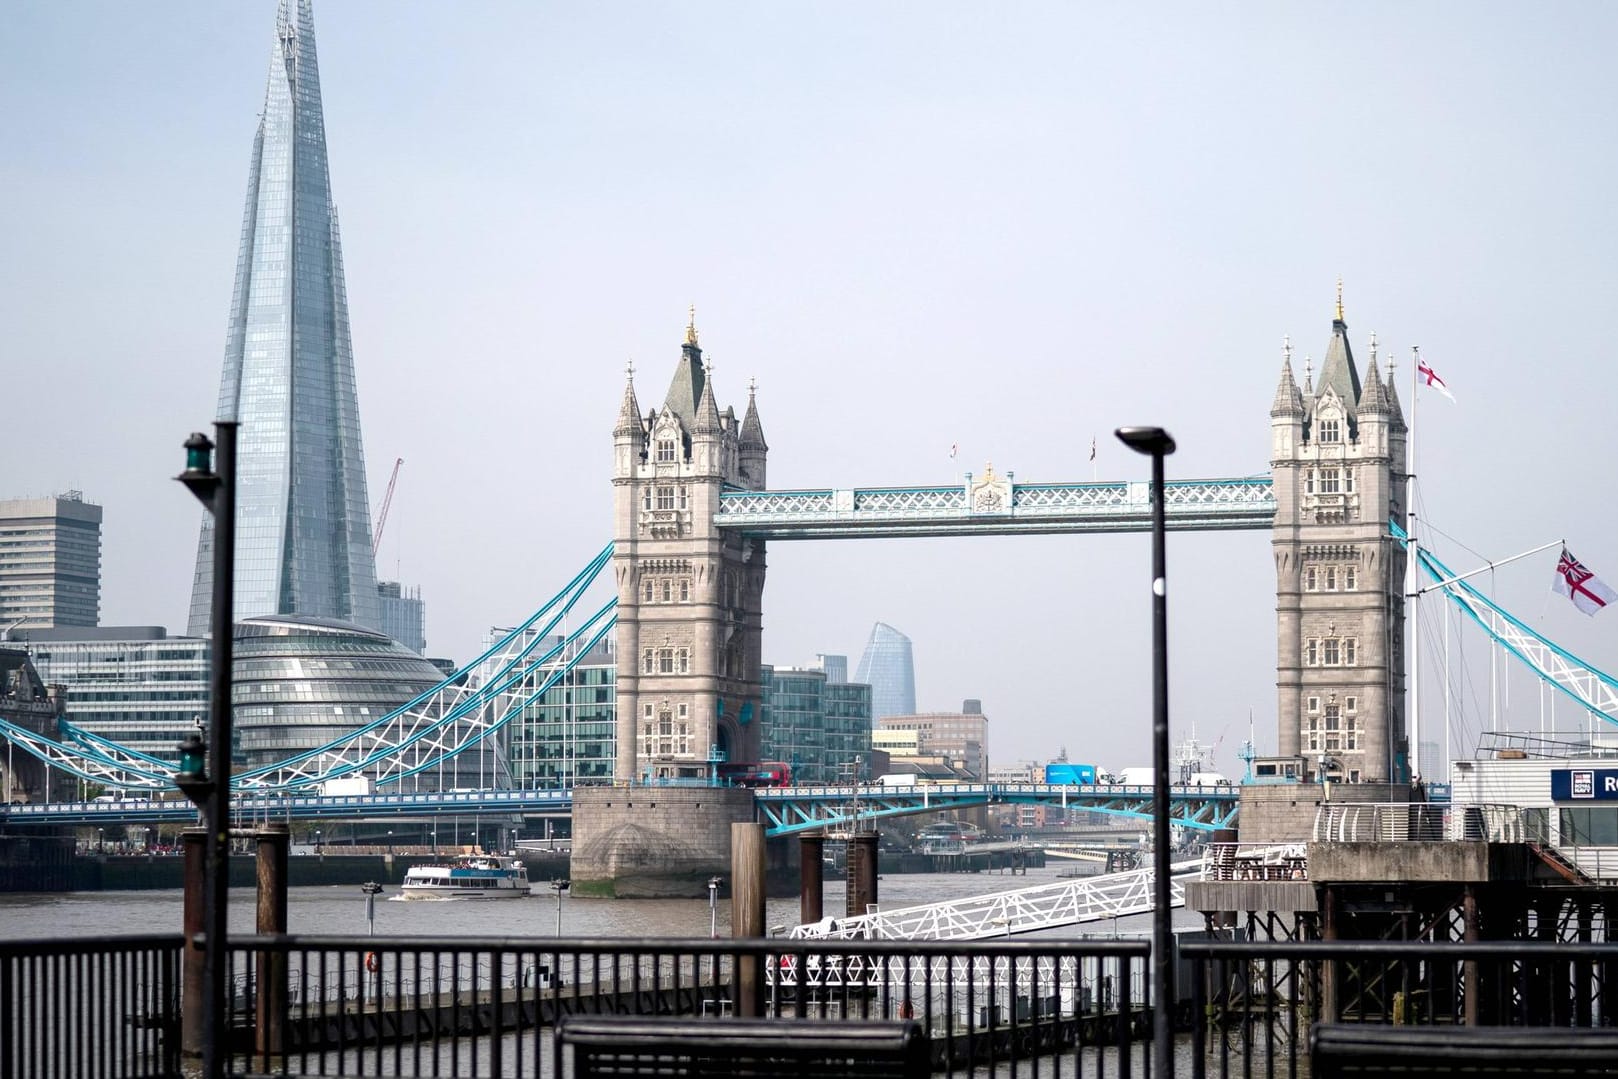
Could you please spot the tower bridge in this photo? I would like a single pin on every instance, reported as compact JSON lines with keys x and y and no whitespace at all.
{"x":693,"y":516}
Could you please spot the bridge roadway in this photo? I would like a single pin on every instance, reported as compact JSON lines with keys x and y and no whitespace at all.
{"x":785,"y":810}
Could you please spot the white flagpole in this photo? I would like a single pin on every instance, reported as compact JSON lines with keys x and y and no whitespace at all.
{"x":1413,"y":764}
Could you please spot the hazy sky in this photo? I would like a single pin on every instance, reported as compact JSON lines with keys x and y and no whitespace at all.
{"x":1011,"y":227}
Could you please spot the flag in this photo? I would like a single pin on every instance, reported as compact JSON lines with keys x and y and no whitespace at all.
{"x":1092,"y":449}
{"x":952,"y":448}
{"x":1581,"y":586}
{"x":1432,"y":380}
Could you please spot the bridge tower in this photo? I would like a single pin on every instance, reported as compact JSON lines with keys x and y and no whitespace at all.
{"x":690,"y":597}
{"x":1339,"y":461}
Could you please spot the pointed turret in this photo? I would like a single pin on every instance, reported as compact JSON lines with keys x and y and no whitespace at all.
{"x":1286,"y":411}
{"x":1337,"y":372}
{"x":1395,"y":410}
{"x":1288,"y":401}
{"x":706,"y":421}
{"x":629,"y":421}
{"x":1374,"y":402}
{"x":751,"y":445}
{"x":629,"y":437}
{"x":689,"y":377}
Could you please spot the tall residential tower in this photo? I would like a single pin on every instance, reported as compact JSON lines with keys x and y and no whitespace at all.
{"x":50,"y":562}
{"x":303,"y":540}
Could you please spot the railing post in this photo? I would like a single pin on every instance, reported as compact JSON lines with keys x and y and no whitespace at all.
{"x":192,"y":990}
{"x":1469,"y":933}
{"x":747,"y":912}
{"x":1328,"y":968}
{"x":272,"y":841}
{"x":812,"y":877}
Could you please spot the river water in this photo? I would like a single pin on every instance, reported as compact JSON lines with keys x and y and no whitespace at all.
{"x":341,"y":909}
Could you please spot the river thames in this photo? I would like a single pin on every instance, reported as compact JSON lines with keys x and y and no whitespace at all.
{"x":340,"y":909}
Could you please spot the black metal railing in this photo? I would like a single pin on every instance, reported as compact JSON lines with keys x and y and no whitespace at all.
{"x":489,"y":1007}
{"x":1253,"y":1006}
{"x":306,"y":1006}
{"x":91,"y":1007}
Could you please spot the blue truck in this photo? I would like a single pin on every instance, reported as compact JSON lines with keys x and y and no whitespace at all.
{"x":1070,"y":775}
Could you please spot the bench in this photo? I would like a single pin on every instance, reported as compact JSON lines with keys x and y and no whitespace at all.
{"x":742,"y":1048}
{"x":1363,"y":1049}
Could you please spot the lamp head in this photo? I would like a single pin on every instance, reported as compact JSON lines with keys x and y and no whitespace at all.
{"x":199,"y":476}
{"x":1152,"y":441}
{"x":192,"y":774}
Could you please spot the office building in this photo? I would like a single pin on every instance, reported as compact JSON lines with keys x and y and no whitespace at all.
{"x":567,"y":735}
{"x":960,"y":738}
{"x":404,"y":615}
{"x":303,"y":539}
{"x":302,"y":682}
{"x":50,"y":562}
{"x":836,"y":667}
{"x":822,"y":729}
{"x":134,"y":685}
{"x":887,"y":667}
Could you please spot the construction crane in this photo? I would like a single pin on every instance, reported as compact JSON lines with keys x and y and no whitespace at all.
{"x":387,"y":500}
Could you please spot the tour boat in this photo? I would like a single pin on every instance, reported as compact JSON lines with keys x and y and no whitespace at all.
{"x":480,"y":876}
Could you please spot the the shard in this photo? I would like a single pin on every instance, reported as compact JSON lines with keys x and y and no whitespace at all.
{"x":303,"y":521}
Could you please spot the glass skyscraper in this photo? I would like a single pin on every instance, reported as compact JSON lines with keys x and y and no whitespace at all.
{"x":303,"y":541}
{"x":886,"y":666}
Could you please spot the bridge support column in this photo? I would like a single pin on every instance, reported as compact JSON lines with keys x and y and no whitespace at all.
{"x":272,"y":841}
{"x":747,"y":912}
{"x":653,"y":842}
{"x":193,"y":842}
{"x":861,"y":874}
{"x":811,"y":877}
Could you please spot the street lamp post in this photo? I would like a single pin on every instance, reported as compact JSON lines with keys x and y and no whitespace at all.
{"x":204,"y":769}
{"x":101,"y":841}
{"x":1158,"y":444}
{"x":320,"y":851}
{"x":559,"y":886}
{"x":713,"y":908}
{"x":371,"y":890}
{"x":390,"y":842}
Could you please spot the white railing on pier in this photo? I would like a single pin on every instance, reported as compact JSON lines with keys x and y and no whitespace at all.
{"x":1023,"y":910}
{"x":1402,"y":822}
{"x":1255,"y":861}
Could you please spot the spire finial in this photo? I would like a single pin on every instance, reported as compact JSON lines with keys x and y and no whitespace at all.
{"x":1339,"y":298}
{"x":707,"y":363}
{"x":629,"y":369}
{"x":1286,"y":348}
{"x":1308,"y":369}
{"x":691,"y":327}
{"x":1373,"y":346}
{"x":752,"y":386}
{"x":1393,"y":358}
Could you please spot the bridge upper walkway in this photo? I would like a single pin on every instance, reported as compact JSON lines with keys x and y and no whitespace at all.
{"x":997,"y":508}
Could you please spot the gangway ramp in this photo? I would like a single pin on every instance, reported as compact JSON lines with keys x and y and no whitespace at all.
{"x":1023,"y":910}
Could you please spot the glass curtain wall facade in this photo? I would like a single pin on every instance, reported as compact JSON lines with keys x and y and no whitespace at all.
{"x":302,"y":682}
{"x":303,"y":543}
{"x":568,"y":735}
{"x":817,"y":727}
{"x":132,"y":684}
{"x":887,"y":667}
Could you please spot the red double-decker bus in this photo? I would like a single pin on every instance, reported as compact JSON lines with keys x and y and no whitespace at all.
{"x":761,"y":774}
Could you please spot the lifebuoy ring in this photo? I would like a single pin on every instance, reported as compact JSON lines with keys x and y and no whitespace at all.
{"x":372,"y":964}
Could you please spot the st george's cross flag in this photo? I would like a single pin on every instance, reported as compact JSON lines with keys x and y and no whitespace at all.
{"x":1431,"y":379}
{"x":1580,"y":585}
